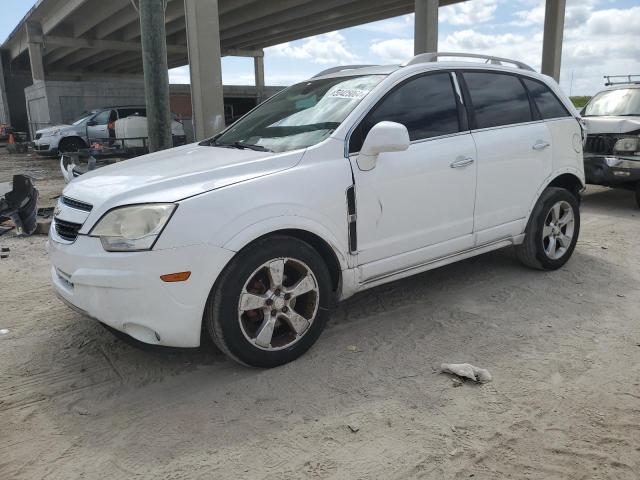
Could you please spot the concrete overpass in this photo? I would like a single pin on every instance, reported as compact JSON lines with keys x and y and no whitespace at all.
{"x":85,"y":39}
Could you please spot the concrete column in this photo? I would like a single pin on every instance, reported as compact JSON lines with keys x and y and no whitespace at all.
{"x":258,"y":64}
{"x":34,"y":40}
{"x":203,"y":36}
{"x":552,"y":41}
{"x":156,"y":73}
{"x":426,"y":26}
{"x":5,"y":116}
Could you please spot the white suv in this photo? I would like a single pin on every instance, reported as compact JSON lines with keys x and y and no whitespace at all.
{"x":352,"y":179}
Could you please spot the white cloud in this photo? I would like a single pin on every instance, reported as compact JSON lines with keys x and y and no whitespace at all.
{"x":392,"y":51}
{"x":596,"y":43}
{"x":402,"y":26}
{"x":469,"y":13}
{"x":322,"y":49}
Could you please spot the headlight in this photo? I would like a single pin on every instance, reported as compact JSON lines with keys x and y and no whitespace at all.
{"x":627,"y":144}
{"x":133,"y":228}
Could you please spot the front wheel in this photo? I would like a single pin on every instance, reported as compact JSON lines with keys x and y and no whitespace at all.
{"x":271,"y":302}
{"x":552,"y":232}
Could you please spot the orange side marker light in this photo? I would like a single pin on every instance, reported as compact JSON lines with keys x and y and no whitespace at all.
{"x":176,"y":277}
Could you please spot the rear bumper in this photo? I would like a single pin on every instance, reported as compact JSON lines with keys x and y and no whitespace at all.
{"x":124,"y":290}
{"x":611,"y":170}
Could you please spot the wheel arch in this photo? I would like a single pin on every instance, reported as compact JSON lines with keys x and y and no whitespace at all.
{"x":568,"y":178}
{"x":326,"y":247}
{"x":64,"y":140}
{"x":568,"y":181}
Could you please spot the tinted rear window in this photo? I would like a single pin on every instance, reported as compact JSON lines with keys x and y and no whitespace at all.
{"x":498,"y":99}
{"x":548,"y":104}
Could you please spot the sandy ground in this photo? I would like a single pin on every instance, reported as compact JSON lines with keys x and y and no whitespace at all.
{"x":563,"y":348}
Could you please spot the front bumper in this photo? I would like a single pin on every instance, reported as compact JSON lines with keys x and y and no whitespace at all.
{"x":611,"y":170}
{"x":124,"y":290}
{"x":46,"y":145}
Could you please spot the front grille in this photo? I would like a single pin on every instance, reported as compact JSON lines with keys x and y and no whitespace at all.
{"x":38,"y":136}
{"x":77,"y":204}
{"x":67,"y":230}
{"x":41,"y":147}
{"x":600,"y":144}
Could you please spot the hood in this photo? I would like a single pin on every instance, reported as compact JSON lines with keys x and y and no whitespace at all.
{"x":597,"y":125}
{"x":52,"y":129}
{"x":175,"y":174}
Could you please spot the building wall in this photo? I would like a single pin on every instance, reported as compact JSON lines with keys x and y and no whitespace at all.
{"x":55,"y":102}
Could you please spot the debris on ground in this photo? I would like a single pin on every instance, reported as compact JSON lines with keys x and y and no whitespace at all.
{"x":354,"y":427}
{"x":18,"y":202}
{"x":466,"y":370}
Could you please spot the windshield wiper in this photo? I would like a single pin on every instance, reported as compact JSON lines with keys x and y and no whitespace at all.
{"x":250,"y":146}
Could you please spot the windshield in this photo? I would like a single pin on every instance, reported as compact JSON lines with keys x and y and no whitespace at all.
{"x":300,"y":116}
{"x":85,"y":117}
{"x":622,"y":102}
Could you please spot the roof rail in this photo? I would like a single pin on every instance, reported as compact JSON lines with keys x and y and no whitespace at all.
{"x":340,"y":69}
{"x":629,"y":80}
{"x":433,"y":57}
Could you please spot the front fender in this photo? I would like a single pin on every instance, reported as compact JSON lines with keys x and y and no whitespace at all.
{"x":273,"y":224}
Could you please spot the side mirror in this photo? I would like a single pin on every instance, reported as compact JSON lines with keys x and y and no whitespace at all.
{"x":383,"y":137}
{"x":92,"y":123}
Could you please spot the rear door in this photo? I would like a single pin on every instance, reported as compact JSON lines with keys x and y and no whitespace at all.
{"x":514,"y":153}
{"x":566,"y":134}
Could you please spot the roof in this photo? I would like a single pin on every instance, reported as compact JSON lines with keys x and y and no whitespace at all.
{"x":104,"y":36}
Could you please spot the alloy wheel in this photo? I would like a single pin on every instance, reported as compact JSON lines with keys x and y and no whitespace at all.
{"x":558,"y":230}
{"x":278,"y":303}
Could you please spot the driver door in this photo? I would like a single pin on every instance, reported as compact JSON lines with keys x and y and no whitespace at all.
{"x":97,"y":128}
{"x":418,"y":205}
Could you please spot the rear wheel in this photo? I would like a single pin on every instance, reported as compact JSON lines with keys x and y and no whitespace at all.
{"x":71,"y":145}
{"x":271,"y":302}
{"x":552,"y":232}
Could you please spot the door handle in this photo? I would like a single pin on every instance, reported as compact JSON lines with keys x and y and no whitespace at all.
{"x":540,"y":145}
{"x":462,"y":162}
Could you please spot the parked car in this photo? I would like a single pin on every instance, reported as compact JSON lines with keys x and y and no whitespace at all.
{"x":352,"y":179}
{"x":94,"y":125}
{"x":612,"y":150}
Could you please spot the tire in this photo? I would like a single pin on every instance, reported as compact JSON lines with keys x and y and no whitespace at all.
{"x":638,"y":194}
{"x":251,"y":279}
{"x":71,"y":144}
{"x":537,"y":251}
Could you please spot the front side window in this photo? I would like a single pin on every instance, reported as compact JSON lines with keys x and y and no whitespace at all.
{"x":498,"y":99}
{"x":620,"y":102}
{"x":102,"y":118}
{"x":426,"y":105}
{"x":299,"y":117}
{"x":548,"y":104}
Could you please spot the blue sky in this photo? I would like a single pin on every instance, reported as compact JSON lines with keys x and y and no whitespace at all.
{"x":601,"y":37}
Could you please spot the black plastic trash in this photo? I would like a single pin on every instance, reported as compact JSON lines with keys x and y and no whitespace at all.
{"x":18,"y":203}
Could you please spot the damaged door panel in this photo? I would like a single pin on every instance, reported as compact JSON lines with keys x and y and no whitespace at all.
{"x":18,"y":203}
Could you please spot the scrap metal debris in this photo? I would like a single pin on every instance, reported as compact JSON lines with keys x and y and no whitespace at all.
{"x":466,"y":370}
{"x":18,"y":202}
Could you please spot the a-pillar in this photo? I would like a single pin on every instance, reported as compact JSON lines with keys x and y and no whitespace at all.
{"x":552,"y":40}
{"x":203,"y":36}
{"x":426,"y":26}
